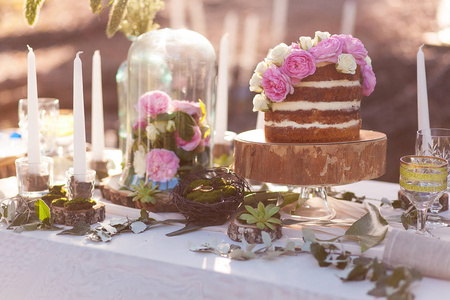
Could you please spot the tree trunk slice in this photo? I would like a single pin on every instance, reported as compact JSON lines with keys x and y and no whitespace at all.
{"x":111,"y":191}
{"x":319,"y":164}
{"x":70,"y":218}
{"x":252,"y":234}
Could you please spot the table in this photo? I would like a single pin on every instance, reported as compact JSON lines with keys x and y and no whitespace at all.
{"x":43,"y":265}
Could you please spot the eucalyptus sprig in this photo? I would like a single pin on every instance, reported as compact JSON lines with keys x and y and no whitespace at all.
{"x":146,"y":193}
{"x":262,"y":217}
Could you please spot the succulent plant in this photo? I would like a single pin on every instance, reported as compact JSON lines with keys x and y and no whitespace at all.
{"x":145,"y":192}
{"x":262,"y":216}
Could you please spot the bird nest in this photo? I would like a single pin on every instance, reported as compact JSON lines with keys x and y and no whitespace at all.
{"x":209,"y":197}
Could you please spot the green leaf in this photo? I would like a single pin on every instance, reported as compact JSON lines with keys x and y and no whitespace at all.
{"x":371,"y":229}
{"x":185,"y":125}
{"x":320,"y":254}
{"x":41,"y":210}
{"x":165,"y":116}
{"x":358,"y":273}
{"x":32,"y":8}
{"x":144,"y":215}
{"x":96,"y":5}
{"x":80,"y":228}
{"x":188,"y":228}
{"x":116,"y":16}
{"x":308,"y":235}
{"x":138,"y":227}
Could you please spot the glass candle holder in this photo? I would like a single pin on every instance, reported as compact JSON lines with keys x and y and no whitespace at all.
{"x":171,"y":84}
{"x":34,"y":180}
{"x":80,"y":188}
{"x":48,"y":109}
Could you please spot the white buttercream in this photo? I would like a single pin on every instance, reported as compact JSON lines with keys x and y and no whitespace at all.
{"x":310,"y":125}
{"x":329,"y":84}
{"x":307,"y":105}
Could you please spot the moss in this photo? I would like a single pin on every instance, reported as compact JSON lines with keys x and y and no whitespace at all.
{"x":56,"y":192}
{"x":59,"y":202}
{"x":211,"y":196}
{"x":79,"y":204}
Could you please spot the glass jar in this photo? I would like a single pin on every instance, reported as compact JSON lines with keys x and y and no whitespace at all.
{"x":170,"y":99}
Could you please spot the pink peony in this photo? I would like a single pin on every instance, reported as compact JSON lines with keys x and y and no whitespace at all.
{"x":298,"y":65}
{"x":327,"y":50}
{"x":276,"y":85}
{"x":354,"y":47}
{"x":369,"y":80}
{"x":153,"y":103}
{"x":140,"y":123}
{"x":189,"y":107}
{"x":193,"y":143}
{"x":161,"y":164}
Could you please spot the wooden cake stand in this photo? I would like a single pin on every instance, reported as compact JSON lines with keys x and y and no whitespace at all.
{"x":312,"y":166}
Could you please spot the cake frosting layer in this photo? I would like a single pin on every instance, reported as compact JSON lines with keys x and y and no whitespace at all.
{"x":309,"y":105}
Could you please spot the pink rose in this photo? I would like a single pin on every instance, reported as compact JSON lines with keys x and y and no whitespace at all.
{"x":276,"y":85}
{"x":294,"y":46}
{"x":161,"y":164}
{"x":369,"y":80}
{"x":193,"y":143}
{"x":189,"y":107}
{"x":298,"y":65}
{"x":354,"y":47}
{"x":153,"y":103}
{"x":327,"y":50}
{"x":140,"y":123}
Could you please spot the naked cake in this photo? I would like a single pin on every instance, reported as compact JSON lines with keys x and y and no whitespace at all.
{"x":311,"y":91}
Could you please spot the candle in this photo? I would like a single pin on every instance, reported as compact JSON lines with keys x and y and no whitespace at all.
{"x":279,"y":20}
{"x":247,"y":58}
{"x":97,"y":129}
{"x":422,"y":96}
{"x":348,"y":17}
{"x":222,"y":93}
{"x":231,"y":26}
{"x":34,"y":147}
{"x":79,"y":134}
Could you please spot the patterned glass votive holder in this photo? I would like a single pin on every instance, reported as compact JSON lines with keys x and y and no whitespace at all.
{"x":34,"y":179}
{"x":80,"y":186}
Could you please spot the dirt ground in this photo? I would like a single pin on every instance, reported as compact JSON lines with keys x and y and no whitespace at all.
{"x":392,"y":31}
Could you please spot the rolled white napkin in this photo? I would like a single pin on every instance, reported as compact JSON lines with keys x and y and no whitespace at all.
{"x":428,"y":255}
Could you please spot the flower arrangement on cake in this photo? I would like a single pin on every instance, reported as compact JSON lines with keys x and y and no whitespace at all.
{"x":311,"y":90}
{"x":169,"y":138}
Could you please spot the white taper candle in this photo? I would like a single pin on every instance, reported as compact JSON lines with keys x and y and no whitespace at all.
{"x":97,"y":122}
{"x":79,"y":134}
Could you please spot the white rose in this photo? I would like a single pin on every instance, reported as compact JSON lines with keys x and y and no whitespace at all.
{"x":321,"y":35}
{"x":152,"y":132}
{"x":261,"y":67}
{"x":260,"y":103}
{"x":346,"y":64}
{"x":160,"y":126}
{"x":255,"y":83}
{"x":278,"y":54}
{"x":368,"y":60}
{"x":170,"y":126}
{"x":305,"y":42}
{"x":139,"y":161}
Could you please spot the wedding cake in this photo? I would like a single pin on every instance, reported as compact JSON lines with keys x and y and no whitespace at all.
{"x":311,"y":91}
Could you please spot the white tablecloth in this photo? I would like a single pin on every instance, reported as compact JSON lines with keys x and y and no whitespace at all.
{"x":43,"y":265}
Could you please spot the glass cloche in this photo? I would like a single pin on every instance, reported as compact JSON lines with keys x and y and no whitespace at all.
{"x":170,"y":106}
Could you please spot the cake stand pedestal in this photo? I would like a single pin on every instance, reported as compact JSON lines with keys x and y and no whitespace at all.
{"x":312,"y":166}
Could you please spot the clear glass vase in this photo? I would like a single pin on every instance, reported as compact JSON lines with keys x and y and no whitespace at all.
{"x":170,"y":105}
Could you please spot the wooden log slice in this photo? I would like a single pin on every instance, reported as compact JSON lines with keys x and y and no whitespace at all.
{"x":70,"y":218}
{"x":252,"y":234}
{"x":111,"y":191}
{"x":319,"y":164}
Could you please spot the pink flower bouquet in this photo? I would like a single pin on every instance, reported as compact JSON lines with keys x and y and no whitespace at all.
{"x":170,"y":138}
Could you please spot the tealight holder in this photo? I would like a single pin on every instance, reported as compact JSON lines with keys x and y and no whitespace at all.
{"x":80,"y":188}
{"x":223,"y":151}
{"x":34,"y":179}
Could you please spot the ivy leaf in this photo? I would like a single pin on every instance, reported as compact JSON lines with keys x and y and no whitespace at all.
{"x":81,"y":228}
{"x":96,"y":5}
{"x":320,"y":254}
{"x":370,"y":230}
{"x":308,"y":235}
{"x":267,"y":240}
{"x":357,"y":273}
{"x":185,"y":125}
{"x":138,"y":227}
{"x":41,"y":210}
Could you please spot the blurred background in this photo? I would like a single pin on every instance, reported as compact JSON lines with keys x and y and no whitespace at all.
{"x":392,"y":31}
